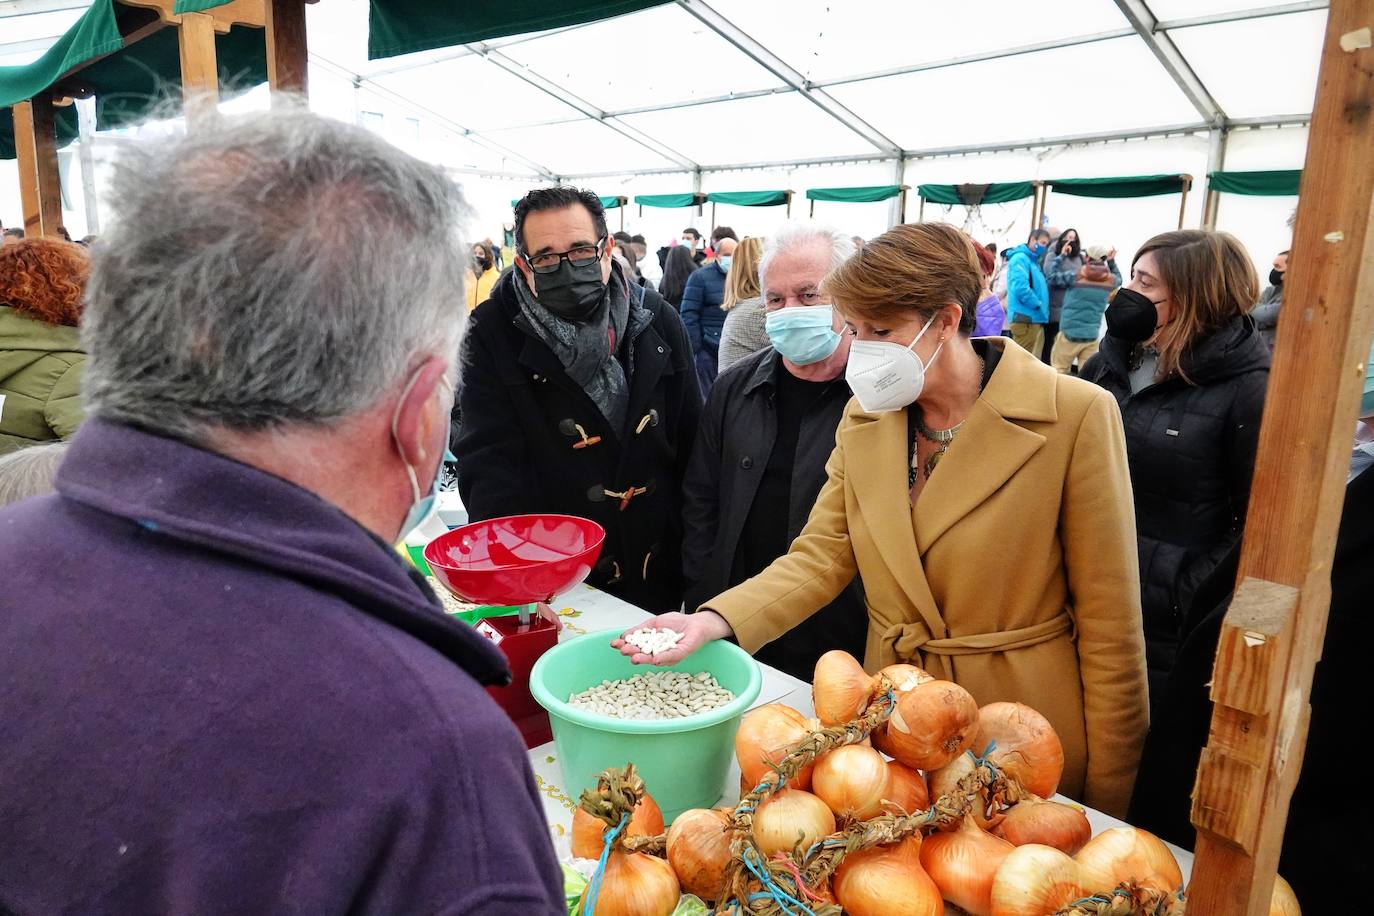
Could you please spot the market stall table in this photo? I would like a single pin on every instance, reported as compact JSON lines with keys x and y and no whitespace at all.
{"x":587,"y":610}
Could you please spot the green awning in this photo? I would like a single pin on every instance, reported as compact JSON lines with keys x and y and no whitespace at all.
{"x":749,"y":198}
{"x":404,"y":26}
{"x":969,"y":195}
{"x":1281,"y":183}
{"x":865,"y":195}
{"x":669,"y":201}
{"x":610,"y":203}
{"x":129,"y":83}
{"x":1127,"y":186}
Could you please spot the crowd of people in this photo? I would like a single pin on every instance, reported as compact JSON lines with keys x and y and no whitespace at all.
{"x":250,"y":678}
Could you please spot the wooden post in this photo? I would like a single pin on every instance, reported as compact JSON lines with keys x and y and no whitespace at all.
{"x":1187,"y":182}
{"x":921,"y":211}
{"x":199,"y":65}
{"x":35,"y":145}
{"x":1272,"y":636}
{"x":813,"y":208}
{"x":1209,"y":209}
{"x":902,"y":211}
{"x":286,"y":52}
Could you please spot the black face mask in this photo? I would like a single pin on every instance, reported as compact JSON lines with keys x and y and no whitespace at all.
{"x":572,"y":292}
{"x":1131,"y":316}
{"x":1276,"y":277}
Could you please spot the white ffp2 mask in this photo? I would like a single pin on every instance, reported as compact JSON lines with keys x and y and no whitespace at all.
{"x":887,"y":376}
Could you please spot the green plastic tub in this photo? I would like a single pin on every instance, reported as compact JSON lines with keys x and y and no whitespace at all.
{"x":684,"y":762}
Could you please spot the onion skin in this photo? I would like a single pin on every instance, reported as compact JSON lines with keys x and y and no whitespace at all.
{"x":588,"y":833}
{"x":841,"y":689}
{"x":902,"y":678}
{"x":789,"y":818}
{"x":853,"y":781}
{"x":699,"y":851}
{"x":635,"y":884}
{"x":906,"y":789}
{"x":1048,"y":823}
{"x":1035,"y":880}
{"x":1028,"y":749}
{"x":887,"y":881}
{"x":932,"y":724}
{"x":963,"y":863}
{"x":1124,"y":854}
{"x":767,"y":735}
{"x":1283,"y":902}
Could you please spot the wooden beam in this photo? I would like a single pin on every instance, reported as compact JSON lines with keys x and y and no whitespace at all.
{"x":199,"y":65}
{"x":35,"y":144}
{"x":1187,"y":182}
{"x":239,"y":12}
{"x":286,"y":52}
{"x":1273,"y":634}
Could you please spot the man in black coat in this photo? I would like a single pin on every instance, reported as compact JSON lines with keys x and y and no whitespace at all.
{"x":578,"y":396}
{"x":760,"y":456}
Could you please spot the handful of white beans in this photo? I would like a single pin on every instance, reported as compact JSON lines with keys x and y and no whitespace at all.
{"x":654,"y":640}
{"x":655,"y":695}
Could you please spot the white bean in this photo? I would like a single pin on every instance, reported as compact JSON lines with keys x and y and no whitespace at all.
{"x":654,"y":695}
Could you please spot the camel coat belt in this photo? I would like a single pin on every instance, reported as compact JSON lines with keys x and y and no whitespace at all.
{"x":1015,"y":575}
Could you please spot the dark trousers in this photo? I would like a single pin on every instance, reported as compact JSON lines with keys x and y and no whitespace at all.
{"x":1051,"y":332}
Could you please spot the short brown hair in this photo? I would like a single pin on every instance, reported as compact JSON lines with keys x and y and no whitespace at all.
{"x":45,"y":279}
{"x":1211,"y":280}
{"x":918,"y":267}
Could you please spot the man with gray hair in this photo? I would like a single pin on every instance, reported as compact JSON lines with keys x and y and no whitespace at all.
{"x":226,"y":693}
{"x":762,"y":445}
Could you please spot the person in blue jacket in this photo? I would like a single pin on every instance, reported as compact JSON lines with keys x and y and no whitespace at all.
{"x":701,"y":312}
{"x":1028,"y":296}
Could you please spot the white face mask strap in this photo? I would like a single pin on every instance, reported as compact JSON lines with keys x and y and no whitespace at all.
{"x":395,"y":436}
{"x":912,"y":345}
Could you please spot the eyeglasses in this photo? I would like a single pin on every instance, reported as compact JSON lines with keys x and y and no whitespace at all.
{"x":585,"y":254}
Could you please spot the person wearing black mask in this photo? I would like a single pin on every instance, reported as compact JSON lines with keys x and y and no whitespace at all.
{"x":1266,"y":311}
{"x":578,"y":396}
{"x":1189,"y":370}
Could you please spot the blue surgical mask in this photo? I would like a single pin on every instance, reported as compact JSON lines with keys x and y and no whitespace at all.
{"x":724,"y":262}
{"x":803,"y":334}
{"x":1040,"y":249}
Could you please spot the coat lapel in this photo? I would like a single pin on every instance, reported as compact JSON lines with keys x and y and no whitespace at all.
{"x":876,"y":449}
{"x":991,"y":447}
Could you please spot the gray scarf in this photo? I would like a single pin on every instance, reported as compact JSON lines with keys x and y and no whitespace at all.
{"x":584,"y":348}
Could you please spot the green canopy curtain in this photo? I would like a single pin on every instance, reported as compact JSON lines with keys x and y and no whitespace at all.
{"x":751,"y":198}
{"x":1281,"y":183}
{"x":404,"y":26}
{"x":670,"y":201}
{"x":968,"y":195}
{"x":1126,"y":186}
{"x":863,"y":195}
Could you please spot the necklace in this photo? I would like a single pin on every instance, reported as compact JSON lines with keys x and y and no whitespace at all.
{"x":940,"y":437}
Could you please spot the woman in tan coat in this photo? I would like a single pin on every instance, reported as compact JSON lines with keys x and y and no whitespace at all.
{"x":1013,"y":570}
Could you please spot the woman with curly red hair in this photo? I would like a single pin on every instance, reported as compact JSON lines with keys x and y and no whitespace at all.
{"x":41,"y":286}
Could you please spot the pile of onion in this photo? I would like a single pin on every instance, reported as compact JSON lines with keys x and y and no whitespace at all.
{"x":887,"y":881}
{"x":791,"y":818}
{"x":699,"y":851}
{"x":932,"y":724}
{"x":1027,"y":747}
{"x":1048,"y":823}
{"x":841,"y":689}
{"x":906,"y":790}
{"x":853,"y":781}
{"x":588,"y":832}
{"x":1128,"y":854}
{"x":767,"y":735}
{"x":963,"y":862}
{"x":1035,"y":880}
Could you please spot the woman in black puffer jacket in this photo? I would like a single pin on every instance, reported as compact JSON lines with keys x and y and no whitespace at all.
{"x":1189,"y":371}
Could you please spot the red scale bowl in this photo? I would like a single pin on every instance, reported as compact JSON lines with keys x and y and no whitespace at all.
{"x":520,"y":559}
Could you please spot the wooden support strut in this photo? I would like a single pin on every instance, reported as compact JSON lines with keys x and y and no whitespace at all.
{"x":199,"y":65}
{"x":287,"y":69}
{"x":1187,"y":182}
{"x":1272,"y":636}
{"x":35,"y":144}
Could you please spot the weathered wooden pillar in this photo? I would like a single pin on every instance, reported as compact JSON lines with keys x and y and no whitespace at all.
{"x":1272,"y":636}
{"x":287,"y":58}
{"x":35,"y":144}
{"x":199,"y":63}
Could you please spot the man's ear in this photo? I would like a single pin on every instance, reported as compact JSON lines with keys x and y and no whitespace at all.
{"x":523,"y":265}
{"x":415,"y":432}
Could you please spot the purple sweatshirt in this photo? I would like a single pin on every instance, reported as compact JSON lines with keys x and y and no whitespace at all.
{"x":219,"y":694}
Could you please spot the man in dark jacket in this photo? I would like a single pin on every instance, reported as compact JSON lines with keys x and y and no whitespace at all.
{"x":579,"y":397}
{"x":225,"y":692}
{"x":760,"y":456}
{"x":701,"y":311}
{"x":1191,"y":446}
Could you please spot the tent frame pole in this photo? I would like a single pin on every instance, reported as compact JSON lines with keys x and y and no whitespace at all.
{"x":35,"y":144}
